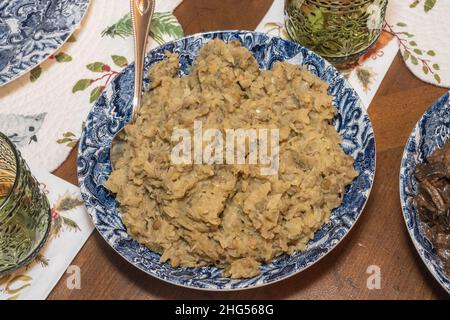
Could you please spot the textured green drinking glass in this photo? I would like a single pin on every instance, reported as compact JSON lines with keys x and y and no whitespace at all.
{"x":339,"y":30}
{"x":25,"y":216}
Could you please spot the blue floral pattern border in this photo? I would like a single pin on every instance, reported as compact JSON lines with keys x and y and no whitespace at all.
{"x":32,"y":30}
{"x":430,"y":133}
{"x":112,"y":111}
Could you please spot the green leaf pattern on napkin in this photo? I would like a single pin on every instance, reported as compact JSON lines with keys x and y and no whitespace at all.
{"x":122,"y":28}
{"x":101,"y":81}
{"x":164,"y":24}
{"x":69,"y":139}
{"x":413,"y":52}
{"x":35,"y":73}
{"x":427,"y":5}
{"x":60,"y":57}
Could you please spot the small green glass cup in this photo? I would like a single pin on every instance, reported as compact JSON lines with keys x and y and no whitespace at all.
{"x":25,"y":216}
{"x":340,"y":31}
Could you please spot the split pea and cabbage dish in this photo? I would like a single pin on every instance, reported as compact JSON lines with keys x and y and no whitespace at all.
{"x":230,"y":215}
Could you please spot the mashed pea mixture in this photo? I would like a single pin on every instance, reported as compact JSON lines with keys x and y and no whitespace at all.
{"x":230,"y":216}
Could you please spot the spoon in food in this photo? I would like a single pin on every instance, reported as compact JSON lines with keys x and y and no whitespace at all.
{"x":141,"y":16}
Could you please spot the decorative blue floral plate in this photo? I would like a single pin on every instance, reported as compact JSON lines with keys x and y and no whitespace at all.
{"x":112,"y":111}
{"x":32,"y":30}
{"x":430,"y":133}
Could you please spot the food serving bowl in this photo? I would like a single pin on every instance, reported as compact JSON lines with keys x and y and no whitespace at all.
{"x":431,"y":132}
{"x":113,"y":110}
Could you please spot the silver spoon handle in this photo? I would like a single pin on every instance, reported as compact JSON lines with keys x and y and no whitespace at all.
{"x":141,"y":15}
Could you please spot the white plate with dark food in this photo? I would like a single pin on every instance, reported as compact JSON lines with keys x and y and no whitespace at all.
{"x":32,"y":30}
{"x":226,"y":226}
{"x":425,"y":189}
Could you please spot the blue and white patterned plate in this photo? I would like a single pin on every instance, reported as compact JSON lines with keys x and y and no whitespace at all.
{"x":112,"y":111}
{"x":430,"y":133}
{"x":32,"y":30}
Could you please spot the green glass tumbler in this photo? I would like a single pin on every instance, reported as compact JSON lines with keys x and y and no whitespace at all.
{"x":339,"y":30}
{"x":25,"y":217}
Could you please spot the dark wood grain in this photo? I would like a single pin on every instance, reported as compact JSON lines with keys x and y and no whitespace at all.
{"x":379,"y":238}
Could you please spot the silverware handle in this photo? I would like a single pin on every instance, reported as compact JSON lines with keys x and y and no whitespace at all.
{"x":141,"y":15}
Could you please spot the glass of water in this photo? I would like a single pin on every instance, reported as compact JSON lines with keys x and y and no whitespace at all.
{"x":25,"y":217}
{"x":339,"y":30}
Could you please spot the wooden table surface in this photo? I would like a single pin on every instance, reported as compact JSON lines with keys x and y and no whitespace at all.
{"x":379,"y":238}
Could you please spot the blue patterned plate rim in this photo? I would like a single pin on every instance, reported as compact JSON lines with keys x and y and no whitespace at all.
{"x":58,"y":40}
{"x":342,"y":219}
{"x":415,"y":230}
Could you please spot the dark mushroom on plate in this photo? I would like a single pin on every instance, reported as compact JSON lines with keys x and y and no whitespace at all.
{"x":432,"y":201}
